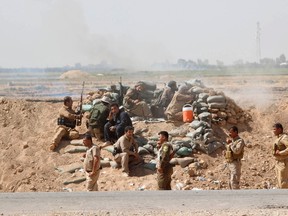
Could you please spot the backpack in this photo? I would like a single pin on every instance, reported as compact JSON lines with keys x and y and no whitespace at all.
{"x":98,"y":115}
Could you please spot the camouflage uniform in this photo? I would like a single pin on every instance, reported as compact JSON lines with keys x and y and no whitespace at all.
{"x":165,"y":154}
{"x":234,"y":163}
{"x":159,"y":107}
{"x":140,"y":109}
{"x":97,"y":120}
{"x":281,"y":166}
{"x":174,"y":109}
{"x":67,"y":128}
{"x":92,"y":154}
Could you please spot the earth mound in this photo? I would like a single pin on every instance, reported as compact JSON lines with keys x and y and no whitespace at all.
{"x":74,"y":74}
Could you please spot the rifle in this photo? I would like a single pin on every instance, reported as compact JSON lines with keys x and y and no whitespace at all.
{"x":79,"y":121}
{"x":121,"y":92}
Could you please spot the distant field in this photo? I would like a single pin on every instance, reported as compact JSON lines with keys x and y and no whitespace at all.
{"x":49,"y":85}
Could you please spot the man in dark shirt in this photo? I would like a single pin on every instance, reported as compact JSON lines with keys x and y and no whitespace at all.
{"x":117,"y":121}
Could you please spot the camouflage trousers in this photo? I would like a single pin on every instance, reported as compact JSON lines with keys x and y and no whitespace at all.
{"x":141,"y":109}
{"x":235,"y":174}
{"x":91,"y":181}
{"x":62,"y":131}
{"x":164,"y":179}
{"x":281,"y":168}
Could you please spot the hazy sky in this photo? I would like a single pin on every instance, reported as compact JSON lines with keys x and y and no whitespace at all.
{"x":134,"y":33}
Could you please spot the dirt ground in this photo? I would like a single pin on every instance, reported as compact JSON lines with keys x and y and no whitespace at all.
{"x":27,"y":127}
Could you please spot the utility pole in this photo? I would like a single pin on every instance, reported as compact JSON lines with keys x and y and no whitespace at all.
{"x":258,"y":45}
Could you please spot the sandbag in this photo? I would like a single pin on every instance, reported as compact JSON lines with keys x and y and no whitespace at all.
{"x":74,"y":180}
{"x":197,"y":90}
{"x":142,"y":150}
{"x":150,"y":165}
{"x":217,"y":105}
{"x":76,"y":149}
{"x":149,"y":147}
{"x":70,"y":167}
{"x":105,"y":163}
{"x":109,"y":148}
{"x":213,"y":146}
{"x":203,"y":96}
{"x":216,"y":99}
{"x":184,"y":151}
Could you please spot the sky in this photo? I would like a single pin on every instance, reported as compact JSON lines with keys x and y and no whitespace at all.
{"x":138,"y":33}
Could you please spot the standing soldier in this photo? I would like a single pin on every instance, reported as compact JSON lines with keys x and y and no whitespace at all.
{"x":280,"y":152}
{"x":91,"y":163}
{"x":164,"y":168}
{"x":66,"y":123}
{"x":234,"y":154}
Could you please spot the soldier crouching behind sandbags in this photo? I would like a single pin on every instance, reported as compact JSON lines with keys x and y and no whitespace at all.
{"x":66,"y":123}
{"x":181,"y":97}
{"x":134,"y":103}
{"x":280,"y":152}
{"x":234,"y":153}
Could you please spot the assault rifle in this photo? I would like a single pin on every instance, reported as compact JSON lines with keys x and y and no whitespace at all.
{"x":121,"y":92}
{"x":79,"y":121}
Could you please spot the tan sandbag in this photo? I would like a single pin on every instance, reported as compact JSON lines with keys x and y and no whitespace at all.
{"x":70,"y":167}
{"x":183,"y":162}
{"x":76,"y":149}
{"x":74,"y":180}
{"x":76,"y":142}
{"x":105,"y":163}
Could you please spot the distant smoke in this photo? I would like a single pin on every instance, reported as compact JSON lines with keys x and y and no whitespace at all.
{"x":64,"y":35}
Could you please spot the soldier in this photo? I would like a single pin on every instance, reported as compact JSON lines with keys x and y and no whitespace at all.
{"x":280,"y":152}
{"x":126,"y":150}
{"x":180,"y":98}
{"x":98,"y":117}
{"x":91,"y":163}
{"x":118,"y":119}
{"x":134,"y":103}
{"x":164,"y":168}
{"x":164,"y":99}
{"x":233,"y":155}
{"x":66,"y":123}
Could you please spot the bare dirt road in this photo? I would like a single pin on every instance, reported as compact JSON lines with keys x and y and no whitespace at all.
{"x":243,"y":202}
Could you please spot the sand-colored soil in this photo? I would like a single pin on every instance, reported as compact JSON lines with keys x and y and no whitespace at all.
{"x":27,"y":127}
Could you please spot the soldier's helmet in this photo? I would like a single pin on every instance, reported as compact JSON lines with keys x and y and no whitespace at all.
{"x":106,"y":99}
{"x":173,"y":85}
